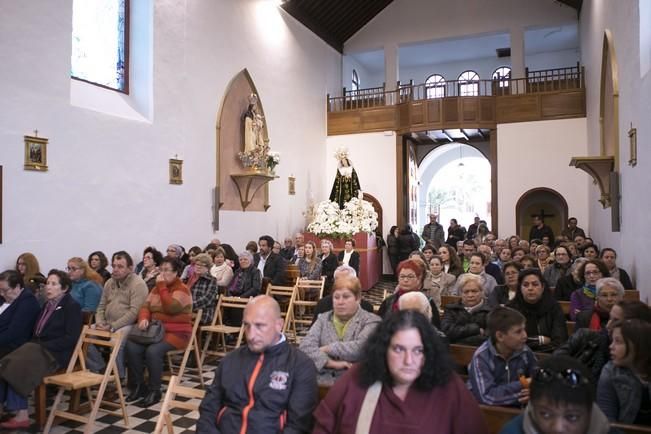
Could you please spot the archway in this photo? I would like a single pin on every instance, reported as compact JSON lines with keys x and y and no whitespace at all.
{"x":455,"y":182}
{"x":550,"y":203}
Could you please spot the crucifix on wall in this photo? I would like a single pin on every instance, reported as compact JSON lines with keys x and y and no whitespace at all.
{"x":542,"y":214}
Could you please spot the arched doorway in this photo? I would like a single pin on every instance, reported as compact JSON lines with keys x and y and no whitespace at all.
{"x":541,"y":201}
{"x":455,"y":182}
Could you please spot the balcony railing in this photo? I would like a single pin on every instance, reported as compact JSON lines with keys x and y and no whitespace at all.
{"x":547,"y":80}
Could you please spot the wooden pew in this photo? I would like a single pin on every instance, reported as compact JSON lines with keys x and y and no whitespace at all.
{"x":497,"y":417}
{"x":571,"y":327}
{"x":449,"y":299}
{"x":632,"y":294}
{"x":565,"y":306}
{"x":631,"y":429}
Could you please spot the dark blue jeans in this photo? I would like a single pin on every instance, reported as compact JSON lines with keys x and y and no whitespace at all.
{"x":150,"y":356}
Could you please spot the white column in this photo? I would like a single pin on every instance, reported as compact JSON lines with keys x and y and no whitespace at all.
{"x":517,"y":54}
{"x":391,"y":63}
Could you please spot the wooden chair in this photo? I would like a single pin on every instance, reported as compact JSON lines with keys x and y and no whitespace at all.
{"x":221,"y":329}
{"x":170,"y":402}
{"x":308,"y":294}
{"x":285,"y":296}
{"x":565,"y":307}
{"x":84,"y":379}
{"x":292,"y":274}
{"x":193,"y":347}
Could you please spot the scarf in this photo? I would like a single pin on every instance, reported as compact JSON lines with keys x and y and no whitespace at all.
{"x":598,"y":315}
{"x":48,"y":310}
{"x":474,"y":308}
{"x":395,"y":306}
{"x":590,"y":291}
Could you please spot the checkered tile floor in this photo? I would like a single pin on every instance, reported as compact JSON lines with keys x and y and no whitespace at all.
{"x":143,"y":420}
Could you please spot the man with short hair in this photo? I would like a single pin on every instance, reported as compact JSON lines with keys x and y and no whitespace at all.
{"x":433,"y":232}
{"x":572,"y":230}
{"x":472,"y":229}
{"x":265,"y":386}
{"x":271,"y":265}
{"x":490,"y":268}
{"x":540,"y":229}
{"x":469,"y":248}
{"x":609,"y":257}
{"x":124,"y":293}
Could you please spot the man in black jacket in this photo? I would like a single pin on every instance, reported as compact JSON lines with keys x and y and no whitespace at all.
{"x":264,"y":387}
{"x":272,"y":266}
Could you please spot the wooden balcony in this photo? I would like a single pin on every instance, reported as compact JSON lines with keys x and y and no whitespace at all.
{"x":482,"y":104}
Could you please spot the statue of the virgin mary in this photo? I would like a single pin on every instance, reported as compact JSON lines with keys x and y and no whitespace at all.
{"x":346,"y":185}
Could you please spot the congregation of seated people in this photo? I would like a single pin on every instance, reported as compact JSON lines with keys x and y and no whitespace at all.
{"x":544,"y":322}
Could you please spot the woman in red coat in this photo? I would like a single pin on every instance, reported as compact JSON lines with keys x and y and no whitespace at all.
{"x":407,"y":384}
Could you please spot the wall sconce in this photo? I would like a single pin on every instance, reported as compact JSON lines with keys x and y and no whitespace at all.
{"x":632,"y":137}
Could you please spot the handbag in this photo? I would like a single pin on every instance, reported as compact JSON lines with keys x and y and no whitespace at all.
{"x":26,"y":366}
{"x":151,"y":335}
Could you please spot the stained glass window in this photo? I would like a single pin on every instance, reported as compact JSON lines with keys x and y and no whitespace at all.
{"x":100,"y":43}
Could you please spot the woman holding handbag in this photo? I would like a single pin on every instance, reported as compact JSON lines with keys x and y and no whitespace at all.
{"x":170,"y":303}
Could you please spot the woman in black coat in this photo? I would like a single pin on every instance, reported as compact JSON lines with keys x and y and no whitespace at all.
{"x":349,"y":256}
{"x":545,"y":325}
{"x":393,"y":248}
{"x":328,"y":265}
{"x":57,"y":330}
{"x":18,"y":313}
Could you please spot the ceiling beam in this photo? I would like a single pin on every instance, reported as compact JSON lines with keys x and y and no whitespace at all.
{"x":447,"y":136}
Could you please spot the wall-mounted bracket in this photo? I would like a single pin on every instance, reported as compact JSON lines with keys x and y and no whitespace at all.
{"x":248,"y":185}
{"x":600,"y":169}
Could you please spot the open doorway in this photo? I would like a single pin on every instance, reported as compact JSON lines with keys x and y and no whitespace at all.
{"x":455,"y":182}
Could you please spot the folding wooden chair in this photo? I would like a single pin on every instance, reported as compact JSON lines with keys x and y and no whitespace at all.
{"x":285,"y":296}
{"x":193,"y":347}
{"x":170,"y":402}
{"x":84,"y":379}
{"x":221,"y":329}
{"x":308,"y":294}
{"x":292,"y":274}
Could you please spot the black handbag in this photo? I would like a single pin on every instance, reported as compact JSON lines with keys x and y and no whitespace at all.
{"x":151,"y":335}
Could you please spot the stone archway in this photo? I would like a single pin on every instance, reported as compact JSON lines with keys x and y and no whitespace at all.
{"x":541,"y":200}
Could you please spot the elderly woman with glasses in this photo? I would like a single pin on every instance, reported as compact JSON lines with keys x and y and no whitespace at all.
{"x":585,"y":296}
{"x":411,"y":276}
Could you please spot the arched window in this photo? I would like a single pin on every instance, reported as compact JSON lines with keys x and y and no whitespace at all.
{"x":502,"y":75}
{"x":468,"y":83}
{"x":435,"y":86}
{"x":355,"y":81}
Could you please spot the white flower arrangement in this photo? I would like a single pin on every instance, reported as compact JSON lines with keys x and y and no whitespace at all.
{"x":357,"y":216}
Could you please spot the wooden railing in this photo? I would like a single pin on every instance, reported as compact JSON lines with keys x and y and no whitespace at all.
{"x":547,"y":80}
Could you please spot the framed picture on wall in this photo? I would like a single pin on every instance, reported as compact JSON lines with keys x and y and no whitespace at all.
{"x":176,"y":171}
{"x":35,"y":153}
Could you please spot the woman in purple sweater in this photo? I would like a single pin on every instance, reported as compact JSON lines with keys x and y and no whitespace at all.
{"x":584,"y":298}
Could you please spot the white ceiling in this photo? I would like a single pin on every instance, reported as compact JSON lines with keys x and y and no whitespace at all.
{"x":538,"y":40}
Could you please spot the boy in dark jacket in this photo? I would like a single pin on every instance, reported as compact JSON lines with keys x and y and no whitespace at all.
{"x":495,"y":372}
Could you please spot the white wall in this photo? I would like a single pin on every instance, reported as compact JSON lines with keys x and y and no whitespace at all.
{"x":374,"y":158}
{"x":552,"y":59}
{"x":406,"y":21}
{"x":622,"y":18}
{"x":537,"y":154}
{"x":367,"y":78}
{"x":107,"y":186}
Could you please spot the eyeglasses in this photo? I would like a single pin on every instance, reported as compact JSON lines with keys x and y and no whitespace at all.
{"x":569,"y":376}
{"x":69,"y":269}
{"x":407,"y":276}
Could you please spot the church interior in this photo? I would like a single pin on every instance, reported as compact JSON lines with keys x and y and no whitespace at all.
{"x":539,"y":104}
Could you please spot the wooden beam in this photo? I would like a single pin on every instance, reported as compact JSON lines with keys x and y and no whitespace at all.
{"x":447,"y":136}
{"x":463,"y":133}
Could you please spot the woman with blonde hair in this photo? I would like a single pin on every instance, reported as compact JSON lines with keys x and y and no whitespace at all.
{"x":27,"y":266}
{"x":86,"y":284}
{"x":309,"y":266}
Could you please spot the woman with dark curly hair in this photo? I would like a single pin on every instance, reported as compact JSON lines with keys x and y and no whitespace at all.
{"x":98,"y":262}
{"x":404,"y":383}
